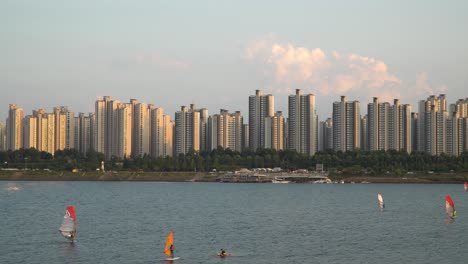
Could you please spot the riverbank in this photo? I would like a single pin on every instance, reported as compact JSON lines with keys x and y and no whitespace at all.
{"x":107,"y":176}
{"x":39,"y":175}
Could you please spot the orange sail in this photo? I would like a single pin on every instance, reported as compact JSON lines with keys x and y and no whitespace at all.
{"x":169,"y":242}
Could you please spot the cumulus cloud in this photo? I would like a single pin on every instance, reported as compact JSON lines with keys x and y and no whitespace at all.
{"x":291,"y":67}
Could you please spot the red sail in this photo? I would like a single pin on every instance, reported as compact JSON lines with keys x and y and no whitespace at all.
{"x":449,"y":200}
{"x":71,"y":212}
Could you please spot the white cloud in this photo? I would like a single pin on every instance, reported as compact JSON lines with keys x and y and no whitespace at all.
{"x":290,"y":67}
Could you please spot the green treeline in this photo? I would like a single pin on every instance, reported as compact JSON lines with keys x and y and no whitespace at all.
{"x":352,"y":162}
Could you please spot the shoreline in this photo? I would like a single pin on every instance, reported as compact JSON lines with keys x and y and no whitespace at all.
{"x":210,"y":177}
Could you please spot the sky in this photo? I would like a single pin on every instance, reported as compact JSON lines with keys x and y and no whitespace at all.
{"x":215,"y":54}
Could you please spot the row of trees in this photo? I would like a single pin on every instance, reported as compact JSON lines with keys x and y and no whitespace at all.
{"x":225,"y":159}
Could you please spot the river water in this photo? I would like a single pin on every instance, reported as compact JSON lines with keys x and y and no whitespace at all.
{"x":127,"y":222}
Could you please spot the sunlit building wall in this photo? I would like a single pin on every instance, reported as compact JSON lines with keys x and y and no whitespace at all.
{"x":15,"y":127}
{"x":303,"y":121}
{"x":30,"y":132}
{"x":260,"y":107}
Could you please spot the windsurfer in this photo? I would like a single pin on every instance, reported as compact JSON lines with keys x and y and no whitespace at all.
{"x":171,"y":248}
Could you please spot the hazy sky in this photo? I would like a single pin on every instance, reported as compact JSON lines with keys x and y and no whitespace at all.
{"x":217,"y":53}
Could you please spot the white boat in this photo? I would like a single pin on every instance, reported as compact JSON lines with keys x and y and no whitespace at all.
{"x":13,"y":188}
{"x":280,"y":180}
{"x":322,"y":181}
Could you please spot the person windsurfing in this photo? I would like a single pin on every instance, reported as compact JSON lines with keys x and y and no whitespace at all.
{"x":171,"y":248}
{"x":222,"y":253}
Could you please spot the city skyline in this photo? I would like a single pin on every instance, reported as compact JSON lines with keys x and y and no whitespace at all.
{"x":75,"y":53}
{"x":137,"y":128}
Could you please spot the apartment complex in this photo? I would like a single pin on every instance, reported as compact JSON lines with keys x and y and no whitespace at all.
{"x":123,"y":130}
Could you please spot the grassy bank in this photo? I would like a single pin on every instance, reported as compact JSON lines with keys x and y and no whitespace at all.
{"x":410,"y":178}
{"x":108,"y":176}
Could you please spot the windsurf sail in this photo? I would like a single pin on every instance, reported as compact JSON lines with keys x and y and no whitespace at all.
{"x":380,"y":200}
{"x":450,"y":207}
{"x":68,"y":227}
{"x":169,"y":243}
{"x":465,"y":186}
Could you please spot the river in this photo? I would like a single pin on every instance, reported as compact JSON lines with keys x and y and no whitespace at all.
{"x":127,"y":222}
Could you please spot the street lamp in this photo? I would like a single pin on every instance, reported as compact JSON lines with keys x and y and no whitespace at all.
{"x":6,"y":164}
{"x":25,"y":163}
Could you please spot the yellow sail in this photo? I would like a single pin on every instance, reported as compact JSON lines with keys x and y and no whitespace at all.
{"x":169,"y":242}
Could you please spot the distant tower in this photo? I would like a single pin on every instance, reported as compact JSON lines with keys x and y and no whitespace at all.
{"x":346,"y":125}
{"x":303,"y":130}
{"x":260,"y":107}
{"x":15,"y":128}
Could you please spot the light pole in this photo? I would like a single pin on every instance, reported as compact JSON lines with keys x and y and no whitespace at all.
{"x":25,"y":163}
{"x":6,"y":164}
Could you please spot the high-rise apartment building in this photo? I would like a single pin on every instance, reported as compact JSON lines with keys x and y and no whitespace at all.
{"x":15,"y":128}
{"x":187,"y":130}
{"x":161,"y":134}
{"x":260,"y":107}
{"x":389,"y":126}
{"x":245,"y":136}
{"x":39,"y":113}
{"x":457,"y":127}
{"x":30,"y":132}
{"x":302,"y":123}
{"x":2,"y":136}
{"x":48,"y":133}
{"x":432,"y":120}
{"x":326,"y":137}
{"x":346,"y":120}
{"x":364,"y":133}
{"x":84,"y":133}
{"x":64,"y":128}
{"x":141,"y":130}
{"x":100,"y":126}
{"x":274,"y":128}
{"x":225,"y":130}
{"x":123,"y":126}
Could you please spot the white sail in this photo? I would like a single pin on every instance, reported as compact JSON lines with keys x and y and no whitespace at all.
{"x":380,"y":200}
{"x":68,"y":226}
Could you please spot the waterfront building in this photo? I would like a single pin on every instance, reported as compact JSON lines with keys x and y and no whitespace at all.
{"x":389,"y":126}
{"x":302,"y":123}
{"x":124,"y":126}
{"x":161,"y":133}
{"x":326,"y":128}
{"x":30,"y":132}
{"x":432,"y":119}
{"x":2,"y":136}
{"x":100,"y":126}
{"x":141,"y":129}
{"x":414,"y":131}
{"x":83,"y":127}
{"x":274,"y":131}
{"x":187,"y":130}
{"x":48,"y":132}
{"x":364,"y":133}
{"x":245,"y":136}
{"x":225,"y":130}
{"x":39,"y":113}
{"x":15,"y":127}
{"x":260,"y":107}
{"x":457,"y":127}
{"x":346,"y":120}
